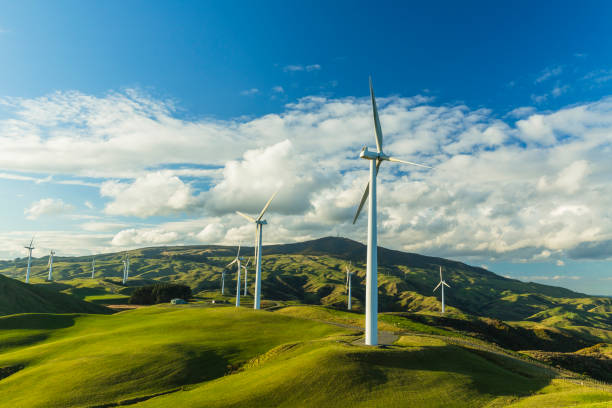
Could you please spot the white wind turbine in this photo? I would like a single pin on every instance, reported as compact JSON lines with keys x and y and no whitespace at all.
{"x":246,"y":271}
{"x":50,"y":265}
{"x":29,"y":248}
{"x":223,"y":281}
{"x":442,"y":284}
{"x":376,"y":158}
{"x":259,"y":223}
{"x":93,"y":267}
{"x":126,"y":268}
{"x":348,"y":285}
{"x":237,"y":261}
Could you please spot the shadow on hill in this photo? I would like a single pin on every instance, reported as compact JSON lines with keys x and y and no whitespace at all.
{"x":37,"y":321}
{"x":489,"y":373}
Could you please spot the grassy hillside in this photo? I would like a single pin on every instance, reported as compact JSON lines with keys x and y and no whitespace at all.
{"x":221,"y":356}
{"x":18,"y":297}
{"x":313,"y":273}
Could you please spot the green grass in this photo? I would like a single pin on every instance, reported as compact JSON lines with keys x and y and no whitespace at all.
{"x":18,"y":297}
{"x":85,"y":360}
{"x":214,"y":356}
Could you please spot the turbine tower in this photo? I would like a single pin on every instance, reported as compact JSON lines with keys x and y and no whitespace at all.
{"x":237,"y":261}
{"x":126,"y":268}
{"x":246,"y":271}
{"x":223,"y":281}
{"x":50,"y":265}
{"x":376,"y":158}
{"x":442,"y":284}
{"x":259,"y":223}
{"x":93,"y":267}
{"x":348,"y":286}
{"x":29,"y":248}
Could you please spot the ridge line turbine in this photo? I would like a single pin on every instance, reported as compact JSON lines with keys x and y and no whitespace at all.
{"x":29,"y":248}
{"x":376,"y":158}
{"x":50,"y":265}
{"x":237,"y":261}
{"x":93,"y":267}
{"x":442,"y":284}
{"x":348,"y":285}
{"x":259,"y":223}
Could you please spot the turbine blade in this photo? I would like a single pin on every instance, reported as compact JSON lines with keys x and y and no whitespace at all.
{"x":267,"y":205}
{"x":393,"y":159}
{"x":238,"y":254}
{"x":441,"y":274}
{"x":245,"y":216}
{"x":437,"y":286}
{"x":379,"y":135}
{"x":231,"y":263}
{"x":446,"y":284}
{"x":366,"y":194}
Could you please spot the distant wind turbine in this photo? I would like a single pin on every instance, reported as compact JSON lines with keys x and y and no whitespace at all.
{"x":237,"y":261}
{"x":441,"y":284}
{"x":50,"y":265}
{"x":348,"y":285}
{"x":126,"y":268}
{"x":246,"y":271}
{"x":29,"y":248}
{"x":376,"y":159}
{"x":259,"y":223}
{"x":223,"y":281}
{"x":93,"y":267}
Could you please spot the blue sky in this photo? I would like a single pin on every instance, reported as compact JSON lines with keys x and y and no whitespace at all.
{"x":127,"y":124}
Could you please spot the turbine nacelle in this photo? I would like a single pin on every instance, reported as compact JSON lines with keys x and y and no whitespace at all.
{"x":372,"y":155}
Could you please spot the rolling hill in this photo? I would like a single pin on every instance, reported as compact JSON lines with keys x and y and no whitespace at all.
{"x":312,"y":272}
{"x":18,"y":297}
{"x":216,"y":356}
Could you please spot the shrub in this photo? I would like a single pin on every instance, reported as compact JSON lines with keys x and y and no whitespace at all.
{"x":159,"y":293}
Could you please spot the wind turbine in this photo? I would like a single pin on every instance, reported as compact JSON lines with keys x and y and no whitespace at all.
{"x":29,"y":248}
{"x":50,"y":265}
{"x":246,"y":271}
{"x":93,"y":267}
{"x":126,"y":268}
{"x":348,"y":285}
{"x":237,"y":261}
{"x":376,"y":158}
{"x":223,"y":281}
{"x":259,"y":223}
{"x":442,"y":284}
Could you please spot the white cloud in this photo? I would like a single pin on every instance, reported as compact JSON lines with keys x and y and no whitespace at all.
{"x":278,"y":89}
{"x":156,"y":193}
{"x":132,"y":237}
{"x":308,"y":68}
{"x":499,"y":190}
{"x":102,"y":226}
{"x":548,"y":73}
{"x":559,"y":90}
{"x":47,"y":206}
{"x":248,"y":92}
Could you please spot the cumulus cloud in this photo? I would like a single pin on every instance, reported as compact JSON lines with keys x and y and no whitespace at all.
{"x":156,"y":236}
{"x":157,"y":193}
{"x":512,"y":189}
{"x":47,"y":206}
{"x":548,"y":73}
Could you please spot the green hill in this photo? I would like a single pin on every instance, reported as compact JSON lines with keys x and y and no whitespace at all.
{"x":312,"y":272}
{"x":225,"y":357}
{"x":18,"y":297}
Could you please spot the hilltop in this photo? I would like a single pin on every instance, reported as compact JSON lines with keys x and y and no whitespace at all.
{"x":18,"y":297}
{"x":312,"y":272}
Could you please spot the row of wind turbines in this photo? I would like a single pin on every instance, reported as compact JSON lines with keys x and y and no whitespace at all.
{"x":30,"y":247}
{"x":376,"y":158}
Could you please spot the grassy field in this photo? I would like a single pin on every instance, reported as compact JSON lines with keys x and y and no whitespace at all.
{"x":223,"y":356}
